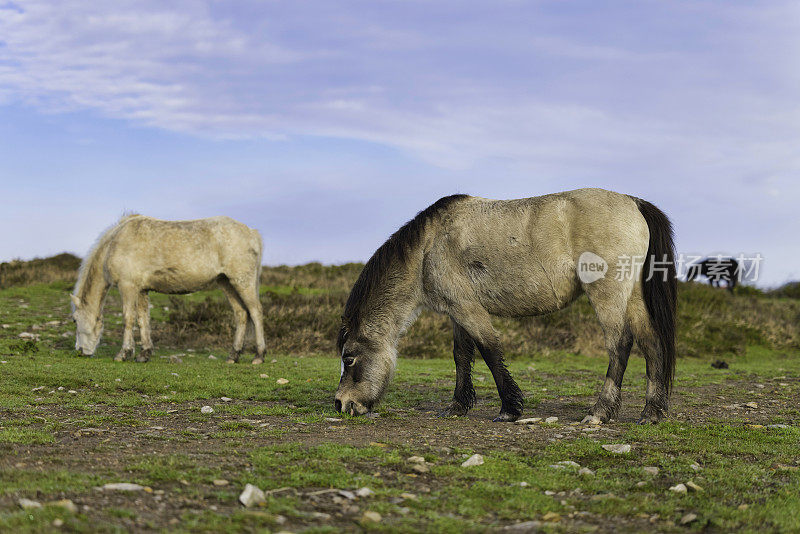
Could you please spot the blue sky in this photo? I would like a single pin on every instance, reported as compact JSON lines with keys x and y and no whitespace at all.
{"x":326,"y":125}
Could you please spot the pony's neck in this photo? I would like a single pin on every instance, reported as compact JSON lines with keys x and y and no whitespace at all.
{"x":399,"y":300}
{"x":94,"y":287}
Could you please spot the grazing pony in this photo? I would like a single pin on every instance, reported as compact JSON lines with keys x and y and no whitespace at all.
{"x":141,"y":254}
{"x":717,"y":269}
{"x":471,"y":258}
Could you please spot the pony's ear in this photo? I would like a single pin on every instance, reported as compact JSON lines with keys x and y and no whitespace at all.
{"x":75,"y":300}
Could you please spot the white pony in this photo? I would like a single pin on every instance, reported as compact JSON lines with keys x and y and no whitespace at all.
{"x":141,"y":254}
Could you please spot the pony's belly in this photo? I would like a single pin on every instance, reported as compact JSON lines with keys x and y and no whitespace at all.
{"x":171,"y":283}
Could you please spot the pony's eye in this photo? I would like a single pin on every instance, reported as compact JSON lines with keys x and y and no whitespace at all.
{"x":348,"y":361}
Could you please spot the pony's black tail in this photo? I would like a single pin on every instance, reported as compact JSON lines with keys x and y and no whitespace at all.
{"x":660,"y":285}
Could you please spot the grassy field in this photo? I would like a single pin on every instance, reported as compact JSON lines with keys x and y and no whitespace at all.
{"x":69,"y":425}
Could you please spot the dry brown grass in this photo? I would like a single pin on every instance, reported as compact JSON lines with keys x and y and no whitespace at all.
{"x":303,"y":305}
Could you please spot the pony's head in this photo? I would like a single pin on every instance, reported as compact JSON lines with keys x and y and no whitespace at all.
{"x":367,"y":367}
{"x":89,"y":326}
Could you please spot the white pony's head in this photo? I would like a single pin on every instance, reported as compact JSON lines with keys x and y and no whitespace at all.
{"x":89,"y":327}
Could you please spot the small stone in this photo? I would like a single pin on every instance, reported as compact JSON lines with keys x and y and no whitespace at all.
{"x":551,"y":420}
{"x":523,"y":484}
{"x":349,"y":495}
{"x":66,"y":504}
{"x":206,"y":409}
{"x":618,"y":448}
{"x":569,"y":463}
{"x":212,"y":357}
{"x":274,"y":361}
{"x":364,"y":492}
{"x":282,"y":381}
{"x":695,"y":467}
{"x":263,"y":375}
{"x":475,"y":459}
{"x":220,"y":482}
{"x":72,"y":391}
{"x":416,"y":459}
{"x":332,"y":419}
{"x":641,"y":484}
{"x":678,"y":488}
{"x":688,"y":518}
{"x":409,"y":496}
{"x":421,"y":468}
{"x":371,"y":517}
{"x":58,"y":522}
{"x":743,"y":507}
{"x":549,"y":492}
{"x":585,"y":471}
{"x":779,"y":425}
{"x":650,"y":470}
{"x":752,"y":405}
{"x":526,"y":526}
{"x":123,"y":486}
{"x":225,"y":399}
{"x":175,"y":358}
{"x":552,"y":517}
{"x":527,"y":421}
{"x":252,"y":496}
{"x":692,"y":486}
{"x":28,"y":504}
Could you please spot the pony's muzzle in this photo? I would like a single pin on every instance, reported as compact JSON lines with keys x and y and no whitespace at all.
{"x":350,"y":406}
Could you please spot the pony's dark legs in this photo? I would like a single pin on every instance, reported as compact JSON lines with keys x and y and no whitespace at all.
{"x":475,"y":321}
{"x":610,"y":399}
{"x":464,"y":355}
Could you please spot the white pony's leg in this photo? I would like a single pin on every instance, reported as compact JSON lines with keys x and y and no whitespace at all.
{"x":246,"y":289}
{"x":143,"y":311}
{"x":239,"y":318}
{"x":130,"y":299}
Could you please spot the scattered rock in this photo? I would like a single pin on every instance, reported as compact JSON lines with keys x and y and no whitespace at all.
{"x":421,"y":468}
{"x":779,"y":425}
{"x":175,"y":358}
{"x":123,"y":486}
{"x":552,"y":517}
{"x":678,"y":488}
{"x":371,"y":517}
{"x":282,"y":381}
{"x":274,"y":361}
{"x":551,"y":419}
{"x":523,"y":484}
{"x":618,"y":448}
{"x":28,"y":504}
{"x":212,"y":357}
{"x":332,"y":419}
{"x":719,"y":364}
{"x":416,"y":459}
{"x":752,"y":404}
{"x":263,"y":375}
{"x":475,"y":459}
{"x":688,"y":518}
{"x":252,"y":496}
{"x":743,"y":507}
{"x":364,"y":492}
{"x":585,"y":471}
{"x":220,"y":482}
{"x":527,"y":526}
{"x":206,"y":409}
{"x":569,"y":463}
{"x":527,"y":421}
{"x":349,"y":495}
{"x":225,"y":399}
{"x":58,"y":522}
{"x":650,"y":470}
{"x":692,"y":486}
{"x":695,"y":467}
{"x":66,"y":504}
{"x":410,"y":496}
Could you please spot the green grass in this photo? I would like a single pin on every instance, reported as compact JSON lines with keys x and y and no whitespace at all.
{"x":70,"y":424}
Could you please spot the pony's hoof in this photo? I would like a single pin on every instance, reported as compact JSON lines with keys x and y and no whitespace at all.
{"x":456,"y":409}
{"x":123,"y":355}
{"x":142,"y":358}
{"x":651,"y":416}
{"x":592,"y":420}
{"x":258,"y":360}
{"x":119,"y":357}
{"x":506,"y":417}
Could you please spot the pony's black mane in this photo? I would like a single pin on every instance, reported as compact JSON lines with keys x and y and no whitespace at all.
{"x":395,"y":249}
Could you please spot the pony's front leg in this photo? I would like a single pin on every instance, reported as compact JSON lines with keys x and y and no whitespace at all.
{"x":476,"y":322}
{"x":143,"y":312}
{"x":129,"y":300}
{"x":463,"y":354}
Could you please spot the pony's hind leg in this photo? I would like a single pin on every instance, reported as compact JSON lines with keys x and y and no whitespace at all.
{"x":657,"y":395}
{"x":143,"y":311}
{"x":464,"y":355}
{"x":130,"y":298}
{"x":475,"y":321}
{"x":239,"y":317}
{"x":246,"y":289}
{"x":609,"y":303}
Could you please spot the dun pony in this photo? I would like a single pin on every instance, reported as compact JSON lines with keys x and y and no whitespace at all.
{"x":141,"y":254}
{"x":471,"y":258}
